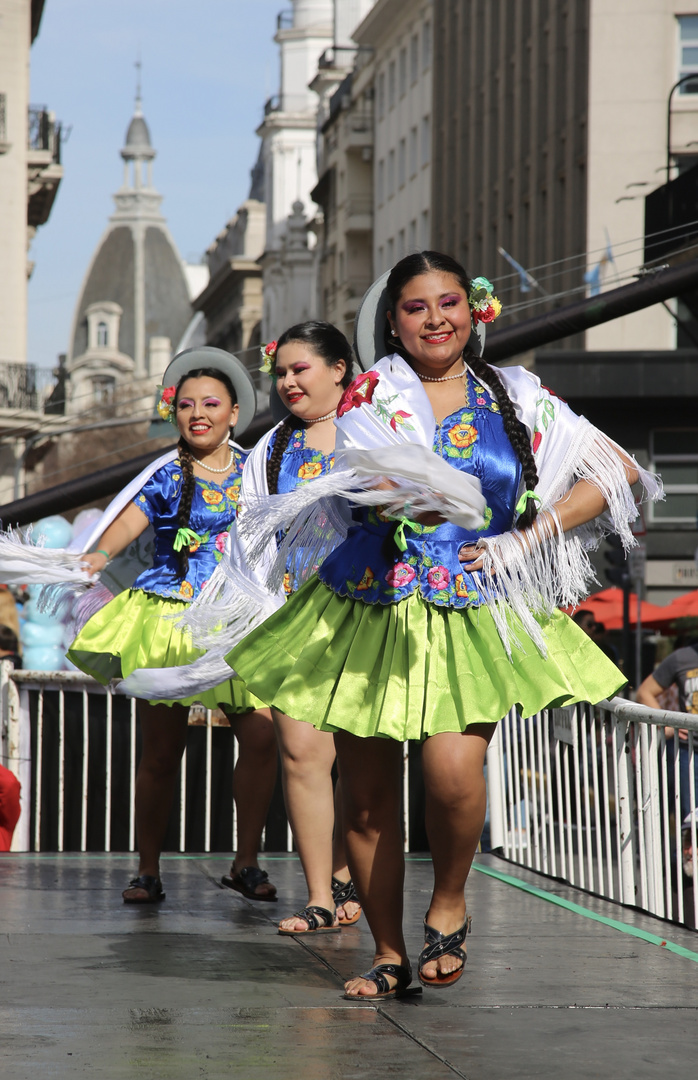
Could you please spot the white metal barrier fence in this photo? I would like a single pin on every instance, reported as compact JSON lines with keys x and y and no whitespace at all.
{"x":36,"y":711}
{"x":593,"y":795}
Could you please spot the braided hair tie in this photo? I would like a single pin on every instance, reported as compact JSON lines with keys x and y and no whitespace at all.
{"x":521,"y":504}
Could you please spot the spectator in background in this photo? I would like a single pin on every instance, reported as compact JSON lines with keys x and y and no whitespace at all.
{"x":585,"y":620}
{"x":687,"y":875}
{"x":681,"y":670}
{"x":9,"y":646}
{"x":10,"y":809}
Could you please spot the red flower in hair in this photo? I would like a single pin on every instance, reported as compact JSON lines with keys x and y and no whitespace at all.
{"x":358,"y":393}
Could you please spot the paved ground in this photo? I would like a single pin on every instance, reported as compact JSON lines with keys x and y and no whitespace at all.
{"x":201,"y":986}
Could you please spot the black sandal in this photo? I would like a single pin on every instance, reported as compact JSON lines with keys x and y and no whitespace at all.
{"x":401,"y":972}
{"x":319,"y":919}
{"x":343,"y":892}
{"x":247,"y":880}
{"x":437,"y":945}
{"x":152,"y":886}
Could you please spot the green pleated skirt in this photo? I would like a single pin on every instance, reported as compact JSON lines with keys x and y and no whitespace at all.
{"x":411,"y":669}
{"x":133,"y":631}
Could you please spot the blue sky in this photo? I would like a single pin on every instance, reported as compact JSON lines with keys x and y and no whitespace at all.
{"x":208,"y":67}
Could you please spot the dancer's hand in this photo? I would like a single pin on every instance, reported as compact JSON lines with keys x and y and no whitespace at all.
{"x":471,"y":555}
{"x":95,"y":562}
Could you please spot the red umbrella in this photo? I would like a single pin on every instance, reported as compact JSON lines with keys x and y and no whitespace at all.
{"x":682,"y":607}
{"x":607,"y":608}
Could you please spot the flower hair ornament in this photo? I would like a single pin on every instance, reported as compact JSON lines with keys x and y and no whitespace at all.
{"x":166,"y":406}
{"x":483,"y":305}
{"x":268,"y":359}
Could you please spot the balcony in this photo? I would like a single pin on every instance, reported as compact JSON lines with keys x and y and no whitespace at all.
{"x":24,"y":390}
{"x":45,"y":171}
{"x":359,"y":214}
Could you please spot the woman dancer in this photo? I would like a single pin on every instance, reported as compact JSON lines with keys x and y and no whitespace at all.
{"x":311,"y":366}
{"x":190,"y":501}
{"x":425,"y":630}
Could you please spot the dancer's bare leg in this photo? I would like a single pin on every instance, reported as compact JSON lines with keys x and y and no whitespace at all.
{"x":371,"y":775}
{"x":253,"y":785}
{"x":340,"y":869}
{"x":307,"y":756}
{"x":164,"y":736}
{"x":456,"y":801}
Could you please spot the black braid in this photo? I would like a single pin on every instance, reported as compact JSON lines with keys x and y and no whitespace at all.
{"x":185,"y":500}
{"x":283,"y":437}
{"x":513,"y":428}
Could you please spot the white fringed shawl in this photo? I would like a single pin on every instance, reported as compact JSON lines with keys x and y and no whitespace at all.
{"x":389,"y":431}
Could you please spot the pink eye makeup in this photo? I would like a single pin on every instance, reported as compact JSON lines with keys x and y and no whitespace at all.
{"x":185,"y":402}
{"x":212,"y":402}
{"x":413,"y":305}
{"x":451,"y":301}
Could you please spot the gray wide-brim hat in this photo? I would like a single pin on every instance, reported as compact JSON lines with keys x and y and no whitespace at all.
{"x":279,"y":411}
{"x":207,"y":356}
{"x":372,"y":320}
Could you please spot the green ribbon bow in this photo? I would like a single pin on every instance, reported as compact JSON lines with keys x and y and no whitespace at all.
{"x":521,"y":504}
{"x":400,"y":542}
{"x":184,"y":538}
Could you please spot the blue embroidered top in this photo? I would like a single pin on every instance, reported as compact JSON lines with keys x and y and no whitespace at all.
{"x":213,"y":509}
{"x":368,"y":565}
{"x":299,"y":465}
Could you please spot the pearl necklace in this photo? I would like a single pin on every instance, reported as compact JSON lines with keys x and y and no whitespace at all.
{"x":441,"y":378}
{"x":226,"y":468}
{"x":328,"y":416}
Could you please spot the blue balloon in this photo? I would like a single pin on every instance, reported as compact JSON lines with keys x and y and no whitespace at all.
{"x":39,"y":658}
{"x":56,"y":531}
{"x":41,"y":618}
{"x":39,"y":634}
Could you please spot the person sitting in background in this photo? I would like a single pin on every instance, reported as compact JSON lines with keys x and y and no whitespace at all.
{"x":9,"y":646}
{"x":687,"y":875}
{"x":680,"y":669}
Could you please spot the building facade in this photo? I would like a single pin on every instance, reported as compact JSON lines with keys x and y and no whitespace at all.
{"x":30,"y":174}
{"x":399,"y":33}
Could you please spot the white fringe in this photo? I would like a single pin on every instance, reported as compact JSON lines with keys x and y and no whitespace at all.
{"x":595,"y":458}
{"x":176,"y":683}
{"x":531,"y":573}
{"x":24,"y":562}
{"x":227,"y":609}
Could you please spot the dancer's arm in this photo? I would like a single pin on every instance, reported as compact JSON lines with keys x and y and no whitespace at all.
{"x":582,"y":503}
{"x":129,"y":524}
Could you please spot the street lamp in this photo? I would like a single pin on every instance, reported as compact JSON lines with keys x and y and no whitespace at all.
{"x":682,"y":80}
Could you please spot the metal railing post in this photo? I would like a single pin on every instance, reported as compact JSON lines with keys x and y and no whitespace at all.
{"x":495,"y":793}
{"x":624,"y":810}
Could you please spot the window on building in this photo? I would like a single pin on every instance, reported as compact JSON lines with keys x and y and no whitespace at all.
{"x":391,"y":84}
{"x":380,"y":96}
{"x":391,"y":174}
{"x":688,"y":52}
{"x":675,"y":455}
{"x":413,"y":235}
{"x":426,"y":46}
{"x":391,"y":254}
{"x":403,"y":72}
{"x":426,"y":238}
{"x":426,"y":140}
{"x":401,"y":162}
{"x":381,"y":264}
{"x":103,"y":389}
{"x":401,"y":244}
{"x":380,"y":182}
{"x":102,"y":333}
{"x":414,"y":58}
{"x":413,"y":151}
